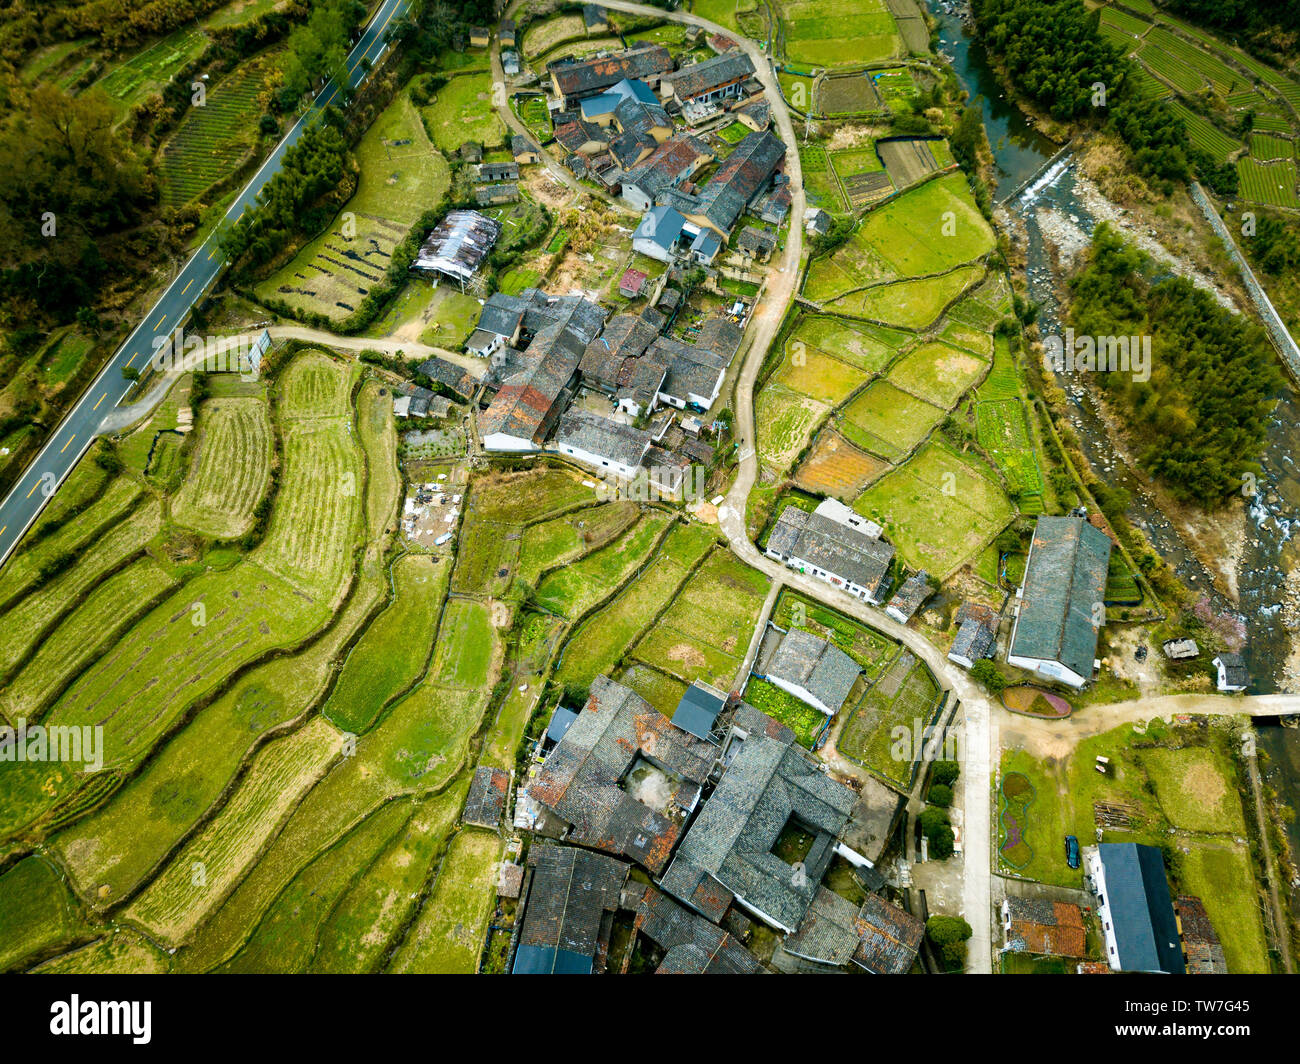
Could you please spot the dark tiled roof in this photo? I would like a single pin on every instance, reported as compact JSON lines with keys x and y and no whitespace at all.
{"x":1142,"y":916}
{"x":1039,"y":925}
{"x":755,"y":722}
{"x":975,"y":640}
{"x":700,"y":78}
{"x":819,"y":667}
{"x":914,"y":591}
{"x":758,"y":110}
{"x":603,"y":437}
{"x":740,"y":177}
{"x":570,"y":892}
{"x":728,"y":850}
{"x":694,"y":946}
{"x":891,"y":937}
{"x":832,"y":547}
{"x":666,"y":165}
{"x":487,"y":797}
{"x":1204,"y":950}
{"x":1235,"y":673}
{"x":1064,"y":578}
{"x":756,"y":240}
{"x":456,"y":379}
{"x":625,"y":337}
{"x":829,"y":932}
{"x":520,"y":145}
{"x":527,"y":399}
{"x":592,"y":75}
{"x":580,"y":779}
{"x":498,"y":171}
{"x":574,"y":135}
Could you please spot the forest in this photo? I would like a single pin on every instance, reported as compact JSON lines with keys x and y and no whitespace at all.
{"x":1055,"y":55}
{"x":1202,"y":416}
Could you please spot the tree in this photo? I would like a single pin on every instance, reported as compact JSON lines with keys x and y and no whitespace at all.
{"x":940,"y":794}
{"x":945,"y":773}
{"x":950,"y":934}
{"x":986,"y":674}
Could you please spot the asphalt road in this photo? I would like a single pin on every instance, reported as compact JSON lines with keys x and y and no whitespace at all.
{"x":77,"y":430}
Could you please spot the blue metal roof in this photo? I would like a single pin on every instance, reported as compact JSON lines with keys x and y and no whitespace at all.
{"x":560,"y":721}
{"x":1141,"y":912}
{"x":698,"y":710}
{"x":662,"y":225}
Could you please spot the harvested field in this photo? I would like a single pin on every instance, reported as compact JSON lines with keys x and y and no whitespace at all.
{"x":229,"y":469}
{"x":835,"y":467}
{"x":907,"y":160}
{"x":850,"y":94}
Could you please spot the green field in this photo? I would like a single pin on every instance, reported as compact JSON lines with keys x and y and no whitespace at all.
{"x":830,"y":33}
{"x":939,"y":509}
{"x":805,"y":721}
{"x":463,"y":111}
{"x":887,"y":421}
{"x":937,"y":373}
{"x":147,"y":71}
{"x":210,"y":141}
{"x":395,"y":648}
{"x":229,"y":471}
{"x":401,"y":177}
{"x":1273,"y":184}
{"x":706,"y":631}
{"x":905,"y":693}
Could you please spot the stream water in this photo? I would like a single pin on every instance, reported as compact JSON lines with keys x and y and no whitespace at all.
{"x":1020,"y":153}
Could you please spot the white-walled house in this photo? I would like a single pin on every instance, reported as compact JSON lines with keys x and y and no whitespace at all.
{"x":1060,"y":605}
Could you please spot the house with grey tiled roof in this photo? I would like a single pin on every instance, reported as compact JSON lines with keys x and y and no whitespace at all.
{"x":486,"y":799}
{"x":976,"y":640}
{"x":909,"y":597}
{"x":740,"y":178}
{"x":1232,"y":672}
{"x":574,"y":81}
{"x":891,"y":937}
{"x":497,"y":172}
{"x":718,"y":78}
{"x":567,"y":915}
{"x":876,"y":936}
{"x":532,"y":397}
{"x":624,"y":778}
{"x":626,"y":336}
{"x":816,"y":672}
{"x":692,"y":945}
{"x":602,"y":443}
{"x":666,"y":167}
{"x":727,"y":855}
{"x":1060,"y":604}
{"x":847,"y":557}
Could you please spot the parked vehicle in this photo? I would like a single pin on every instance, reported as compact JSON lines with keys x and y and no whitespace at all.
{"x":1072,"y":851}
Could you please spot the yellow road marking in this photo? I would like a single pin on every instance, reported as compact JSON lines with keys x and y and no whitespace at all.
{"x":2,"y":530}
{"x":130,"y":360}
{"x":160,"y":321}
{"x":187,"y":287}
{"x":68,"y":444}
{"x":101,"y":399}
{"x":34,"y":487}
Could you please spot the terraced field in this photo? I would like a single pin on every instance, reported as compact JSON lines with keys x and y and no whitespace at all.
{"x":211,"y":140}
{"x":229,"y":471}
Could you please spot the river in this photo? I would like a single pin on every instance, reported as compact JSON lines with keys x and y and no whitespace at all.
{"x":1020,"y":152}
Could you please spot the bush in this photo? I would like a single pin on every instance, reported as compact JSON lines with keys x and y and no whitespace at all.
{"x":985,"y":673}
{"x":945,"y":773}
{"x":940,"y":795}
{"x":949,"y":934}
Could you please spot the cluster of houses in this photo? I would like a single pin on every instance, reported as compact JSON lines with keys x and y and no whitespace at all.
{"x":543,"y":350}
{"x":616,"y":119}
{"x":705,"y":803}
